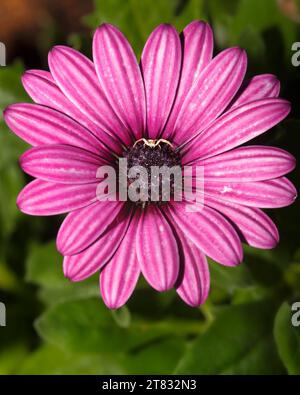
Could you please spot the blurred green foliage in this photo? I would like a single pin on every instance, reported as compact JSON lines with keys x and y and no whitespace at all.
{"x":56,"y":327}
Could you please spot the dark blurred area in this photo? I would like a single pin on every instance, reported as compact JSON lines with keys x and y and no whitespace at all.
{"x":26,"y":26}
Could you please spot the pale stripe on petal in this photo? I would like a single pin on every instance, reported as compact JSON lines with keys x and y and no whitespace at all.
{"x":194,"y":280}
{"x":119,"y":277}
{"x":236,"y":127}
{"x":157,"y":249}
{"x":247,"y":164}
{"x":61,"y":163}
{"x":83,"y":265}
{"x":210,"y":94}
{"x":120,"y":77}
{"x":76,"y":76}
{"x":209,"y":231}
{"x":276,"y":193}
{"x":41,"y":125}
{"x":83,"y":227}
{"x":197,"y":43}
{"x":44,"y":198}
{"x":258,"y":87}
{"x":160,"y":64}
{"x":255,"y":226}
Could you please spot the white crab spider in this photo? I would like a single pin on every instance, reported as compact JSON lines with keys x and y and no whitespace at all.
{"x":153,"y":143}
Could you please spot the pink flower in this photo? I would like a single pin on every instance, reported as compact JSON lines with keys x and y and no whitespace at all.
{"x":88,"y":114}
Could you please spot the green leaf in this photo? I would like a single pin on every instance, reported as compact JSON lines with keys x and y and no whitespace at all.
{"x":44,"y":268}
{"x":122,"y":316}
{"x":229,"y":278}
{"x":11,"y":357}
{"x":11,"y":89}
{"x":270,"y":29}
{"x":287,"y":339}
{"x":160,"y":357}
{"x":239,"y":341}
{"x":11,"y":178}
{"x":52,"y":360}
{"x":64,"y":325}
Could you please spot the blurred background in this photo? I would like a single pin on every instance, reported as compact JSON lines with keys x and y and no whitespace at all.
{"x":56,"y":327}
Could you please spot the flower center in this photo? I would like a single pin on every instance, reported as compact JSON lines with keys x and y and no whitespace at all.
{"x":153,"y":168}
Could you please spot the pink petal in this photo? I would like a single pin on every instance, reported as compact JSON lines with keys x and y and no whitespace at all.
{"x":120,"y":77}
{"x":237,"y":127}
{"x":44,"y":198}
{"x":197,"y":41}
{"x":40,"y":125}
{"x":119,"y":277}
{"x":157,"y":250}
{"x":256,"y":227}
{"x":266,"y":194}
{"x":194,"y":284}
{"x":61,"y":163}
{"x":76,"y":77}
{"x":83,"y":227}
{"x":210,"y":232}
{"x":210,"y":94}
{"x":42,"y":88}
{"x":83,"y":265}
{"x":160,"y":63}
{"x":260,"y":86}
{"x":246,"y":164}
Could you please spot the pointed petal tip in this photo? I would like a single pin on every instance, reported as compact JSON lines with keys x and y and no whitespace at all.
{"x":56,"y":51}
{"x":106,"y":27}
{"x":239,"y":54}
{"x":68,"y":273}
{"x":9,"y":113}
{"x":165,"y":27}
{"x":5,"y":113}
{"x":191,"y":302}
{"x":197,"y":25}
{"x":111,"y":300}
{"x":113,"y":304}
{"x":72,"y":277}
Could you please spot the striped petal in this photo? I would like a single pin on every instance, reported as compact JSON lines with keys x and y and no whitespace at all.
{"x":246,"y":164}
{"x":157,"y":250}
{"x":194,"y":279}
{"x":41,"y":125}
{"x":42,"y":88}
{"x":83,"y":227}
{"x":119,"y":277}
{"x":44,"y":198}
{"x":275,"y":193}
{"x":256,"y":227}
{"x":61,"y":163}
{"x":83,"y":265}
{"x":237,"y":127}
{"x":120,"y":77}
{"x":261,"y":86}
{"x":160,"y":63}
{"x":76,"y":77}
{"x":209,"y":231}
{"x":210,"y":94}
{"x":197,"y":43}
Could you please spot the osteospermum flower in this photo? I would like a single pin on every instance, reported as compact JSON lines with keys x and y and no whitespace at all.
{"x":88,"y":114}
